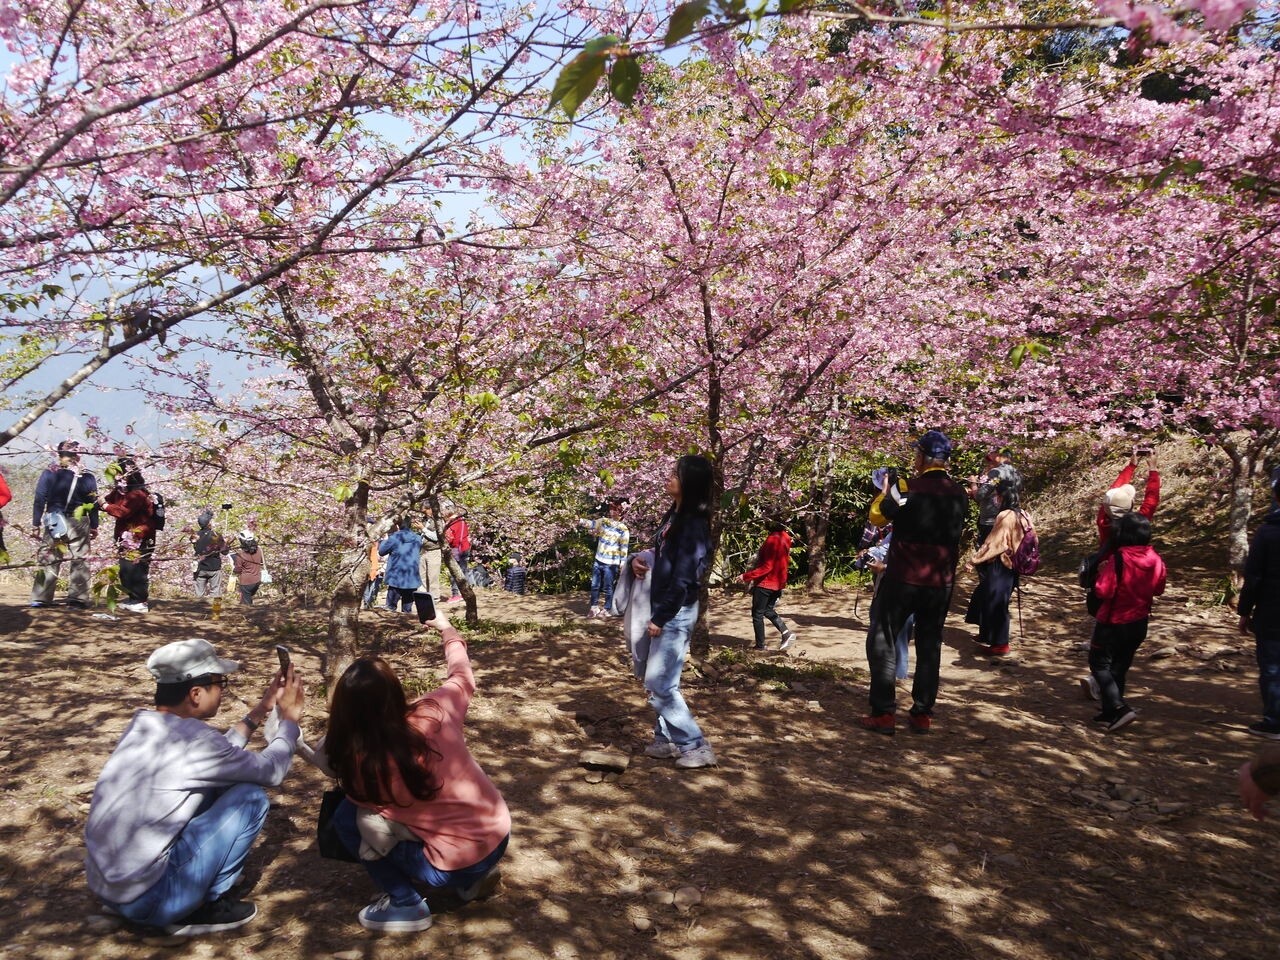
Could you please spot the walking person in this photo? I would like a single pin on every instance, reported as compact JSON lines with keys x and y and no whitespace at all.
{"x":918,"y":579}
{"x":1259,"y":610}
{"x":613,"y":539}
{"x":996,"y":467}
{"x":457,"y":537}
{"x":210,"y":547}
{"x":133,"y":508}
{"x":682,"y":552}
{"x":402,"y":548}
{"x":409,"y":764}
{"x":993,"y":559}
{"x":1120,"y":497}
{"x":1130,"y":577}
{"x":65,"y":512}
{"x":248,"y":565}
{"x":767,"y":579}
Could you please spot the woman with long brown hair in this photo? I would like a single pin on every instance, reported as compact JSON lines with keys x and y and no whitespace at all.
{"x":409,"y":763}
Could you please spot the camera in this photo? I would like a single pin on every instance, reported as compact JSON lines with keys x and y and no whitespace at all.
{"x":226,"y":506}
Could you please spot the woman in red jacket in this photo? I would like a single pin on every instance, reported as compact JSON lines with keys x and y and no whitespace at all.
{"x":130,"y":503}
{"x":768,"y":578}
{"x":1129,"y":579}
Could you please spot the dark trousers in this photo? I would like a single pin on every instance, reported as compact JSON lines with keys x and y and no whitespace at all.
{"x":1268,"y":650}
{"x":894,"y":603}
{"x":400,"y":596}
{"x":989,"y":605}
{"x":1110,"y":656}
{"x":135,"y":571}
{"x":762,"y":609}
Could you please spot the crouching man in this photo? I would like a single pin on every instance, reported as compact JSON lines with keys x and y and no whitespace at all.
{"x":178,"y":804}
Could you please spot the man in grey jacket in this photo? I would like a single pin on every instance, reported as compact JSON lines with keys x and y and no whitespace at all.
{"x":178,"y":804}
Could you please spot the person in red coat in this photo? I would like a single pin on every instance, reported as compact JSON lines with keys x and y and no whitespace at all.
{"x":5,"y":497}
{"x":1130,"y":577}
{"x":767,"y":579}
{"x":1119,"y":499}
{"x":131,"y":504}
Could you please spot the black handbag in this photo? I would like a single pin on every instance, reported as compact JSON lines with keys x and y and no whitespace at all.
{"x":331,"y":845}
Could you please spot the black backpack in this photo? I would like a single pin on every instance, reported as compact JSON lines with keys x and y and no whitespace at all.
{"x":157,"y":511}
{"x":1087,"y":574}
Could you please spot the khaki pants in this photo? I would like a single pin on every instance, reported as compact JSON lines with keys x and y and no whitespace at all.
{"x":52,"y":553}
{"x":429,"y":572}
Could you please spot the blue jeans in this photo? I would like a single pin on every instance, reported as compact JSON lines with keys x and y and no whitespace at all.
{"x":371,"y":591}
{"x":1268,"y":650}
{"x":407,"y":863}
{"x":206,"y":859}
{"x":663,"y":666}
{"x":903,"y":647}
{"x":602,"y":580}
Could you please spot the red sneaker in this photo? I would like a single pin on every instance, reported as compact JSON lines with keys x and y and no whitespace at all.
{"x":999,"y":651}
{"x":920,"y":723}
{"x":881,"y":724}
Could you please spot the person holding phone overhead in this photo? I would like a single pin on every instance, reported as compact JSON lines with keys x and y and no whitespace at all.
{"x":1119,"y":499}
{"x":409,"y":764}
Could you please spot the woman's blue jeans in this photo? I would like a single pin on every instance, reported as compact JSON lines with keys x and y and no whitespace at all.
{"x":206,"y":859}
{"x":663,"y":666}
{"x":407,"y":863}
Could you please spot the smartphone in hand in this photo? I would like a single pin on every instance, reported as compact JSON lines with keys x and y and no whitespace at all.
{"x":426,"y":607}
{"x":282,"y":652}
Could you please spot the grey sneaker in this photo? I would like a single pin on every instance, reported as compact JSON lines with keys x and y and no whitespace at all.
{"x":788,"y":638}
{"x":662,"y":750}
{"x":697,"y":757}
{"x":384,"y":916}
{"x":1089,"y":684}
{"x":1123,"y":719}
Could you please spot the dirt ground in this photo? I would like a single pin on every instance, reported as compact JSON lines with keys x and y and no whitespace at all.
{"x":1015,"y":829}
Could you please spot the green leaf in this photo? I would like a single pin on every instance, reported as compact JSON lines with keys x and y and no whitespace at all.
{"x":576,"y":82}
{"x":624,"y":80}
{"x":1016,"y":355}
{"x":684,"y":20}
{"x":601,"y":45}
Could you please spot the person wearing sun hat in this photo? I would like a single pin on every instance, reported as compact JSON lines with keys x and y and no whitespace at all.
{"x":1120,"y":498}
{"x":178,"y":803}
{"x":918,"y":579}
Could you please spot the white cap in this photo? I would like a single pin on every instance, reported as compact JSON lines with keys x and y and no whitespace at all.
{"x":246,"y":535}
{"x":184,"y":659}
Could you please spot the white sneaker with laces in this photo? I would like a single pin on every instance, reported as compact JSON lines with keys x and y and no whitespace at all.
{"x":134,"y":607}
{"x":702,"y":756}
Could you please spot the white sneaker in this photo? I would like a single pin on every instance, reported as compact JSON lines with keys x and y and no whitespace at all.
{"x":1089,"y":684}
{"x":697,"y":757}
{"x":134,"y":607}
{"x":787,"y":639}
{"x":662,"y":750}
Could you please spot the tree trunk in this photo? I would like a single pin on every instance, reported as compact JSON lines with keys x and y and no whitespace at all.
{"x":461,"y":585}
{"x":343,"y":642}
{"x":817,"y":527}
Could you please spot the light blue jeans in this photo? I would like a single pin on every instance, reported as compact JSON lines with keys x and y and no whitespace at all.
{"x":407,"y":863}
{"x":663,"y":665}
{"x":206,"y":859}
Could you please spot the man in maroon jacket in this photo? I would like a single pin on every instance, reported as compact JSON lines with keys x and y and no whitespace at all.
{"x":918,"y":580}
